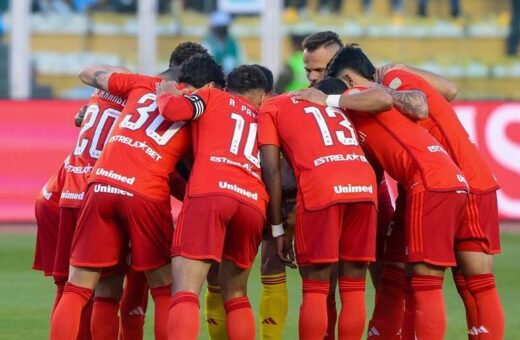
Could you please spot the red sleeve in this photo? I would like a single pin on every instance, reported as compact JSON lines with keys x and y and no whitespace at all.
{"x":267,"y":132}
{"x":401,"y":80}
{"x":186,"y":107}
{"x":120,"y":83}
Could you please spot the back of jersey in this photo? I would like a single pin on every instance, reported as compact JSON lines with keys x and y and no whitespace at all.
{"x":143,"y":147}
{"x":225,"y":149}
{"x":444,"y":125}
{"x":323,"y":148}
{"x":103,"y":109}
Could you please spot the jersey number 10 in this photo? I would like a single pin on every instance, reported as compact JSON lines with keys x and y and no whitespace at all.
{"x":345,"y":136}
{"x":250,"y":141}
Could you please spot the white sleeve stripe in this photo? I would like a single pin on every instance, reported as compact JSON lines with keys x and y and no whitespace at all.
{"x":198,"y":105}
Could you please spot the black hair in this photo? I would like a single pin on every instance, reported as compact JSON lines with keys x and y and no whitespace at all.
{"x":351,"y":57}
{"x":319,"y":39}
{"x":246,"y":78}
{"x":268,"y":76}
{"x":330,"y":85}
{"x":200,"y":69}
{"x":185,"y":50}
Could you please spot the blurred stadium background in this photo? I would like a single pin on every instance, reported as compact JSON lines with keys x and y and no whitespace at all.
{"x":44,"y":43}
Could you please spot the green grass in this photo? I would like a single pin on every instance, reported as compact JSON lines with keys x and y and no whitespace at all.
{"x":26,"y":296}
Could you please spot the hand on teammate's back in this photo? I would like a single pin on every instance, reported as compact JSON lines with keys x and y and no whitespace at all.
{"x":312,"y":95}
{"x":384,"y":69}
{"x":168,"y":87}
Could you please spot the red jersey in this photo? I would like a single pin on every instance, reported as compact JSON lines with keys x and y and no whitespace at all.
{"x":406,"y":151}
{"x":323,"y":149}
{"x":52,"y":189}
{"x":443,"y":124}
{"x":224,"y":130}
{"x":102,"y":112}
{"x":143,"y":148}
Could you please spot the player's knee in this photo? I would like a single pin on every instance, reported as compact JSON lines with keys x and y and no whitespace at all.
{"x":474,"y":263}
{"x":159,"y":277}
{"x":110,"y":287}
{"x":353,"y":269}
{"x":82,"y":277}
{"x":423,"y":268}
{"x":319,"y":272}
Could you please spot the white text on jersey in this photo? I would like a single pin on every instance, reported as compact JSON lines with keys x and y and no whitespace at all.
{"x":340,"y":158}
{"x":111,"y":190}
{"x":116,"y":176}
{"x":245,"y":166}
{"x":352,"y":189}
{"x":238,"y":190}
{"x":136,"y":145}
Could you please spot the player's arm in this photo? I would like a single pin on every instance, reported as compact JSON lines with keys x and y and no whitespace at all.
{"x":412,"y":103}
{"x":372,"y":100}
{"x":80,"y":115}
{"x":446,"y":87}
{"x":176,"y":105}
{"x":97,"y":75}
{"x":272,"y":177}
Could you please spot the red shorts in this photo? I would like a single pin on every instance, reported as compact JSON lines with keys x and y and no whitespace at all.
{"x":68,"y":220}
{"x":479,"y":230}
{"x":47,"y":220}
{"x":215,"y":227}
{"x":345,"y":231}
{"x":109,"y":220}
{"x":424,"y":227}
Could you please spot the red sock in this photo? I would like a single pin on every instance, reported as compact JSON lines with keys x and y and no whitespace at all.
{"x":490,"y":313}
{"x":66,"y":319}
{"x":84,"y":325}
{"x":60,"y":285}
{"x":430,"y":314}
{"x":105,"y":322}
{"x":133,"y":306}
{"x":332,"y":316}
{"x":408,"y":328}
{"x":183,"y":320}
{"x":313,"y":311}
{"x":387,"y":317}
{"x":161,"y":297}
{"x":352,"y":316}
{"x":469,"y":304}
{"x":240,"y":321}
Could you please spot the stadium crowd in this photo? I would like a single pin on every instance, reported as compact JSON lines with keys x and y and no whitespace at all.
{"x":256,"y":168}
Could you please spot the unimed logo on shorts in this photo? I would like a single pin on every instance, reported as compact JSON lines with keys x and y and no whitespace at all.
{"x":237,"y":189}
{"x":114,"y":175}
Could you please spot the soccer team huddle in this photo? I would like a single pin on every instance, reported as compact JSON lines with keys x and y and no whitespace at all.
{"x":255,"y":168}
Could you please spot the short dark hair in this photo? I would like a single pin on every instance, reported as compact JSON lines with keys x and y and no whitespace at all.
{"x":268,"y":76}
{"x":330,"y":85}
{"x":319,"y":39}
{"x":200,"y":69}
{"x":352,"y":57}
{"x":185,"y":50}
{"x":246,"y":78}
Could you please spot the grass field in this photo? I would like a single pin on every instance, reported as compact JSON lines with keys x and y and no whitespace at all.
{"x":26,"y":296}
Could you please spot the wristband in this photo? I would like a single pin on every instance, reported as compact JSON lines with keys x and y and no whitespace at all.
{"x":333,"y":100}
{"x":277,"y":230}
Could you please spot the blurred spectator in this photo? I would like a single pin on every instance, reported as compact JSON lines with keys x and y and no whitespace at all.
{"x":513,"y":38}
{"x":292,"y":77}
{"x":220,"y":43}
{"x":454,"y":11}
{"x":297,"y":5}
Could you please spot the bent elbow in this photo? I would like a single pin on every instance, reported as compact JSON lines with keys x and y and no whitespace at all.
{"x":83,"y":75}
{"x":422,"y":112}
{"x":386,"y":102}
{"x":451,"y":92}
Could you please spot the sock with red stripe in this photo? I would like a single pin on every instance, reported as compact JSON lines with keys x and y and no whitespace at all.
{"x":430,"y":314}
{"x":133,"y":306}
{"x":408,"y":328}
{"x":353,"y":310}
{"x":490,"y":312}
{"x":332,"y":316}
{"x":387,"y":317}
{"x":161,"y":297}
{"x":313,"y":311}
{"x":60,"y":285}
{"x":183,"y":319}
{"x":67,"y":316}
{"x":273,"y":306}
{"x":470,"y":304}
{"x":240,"y":321}
{"x":105,"y":322}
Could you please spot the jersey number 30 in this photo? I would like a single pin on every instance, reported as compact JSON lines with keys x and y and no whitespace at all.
{"x":346,"y":136}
